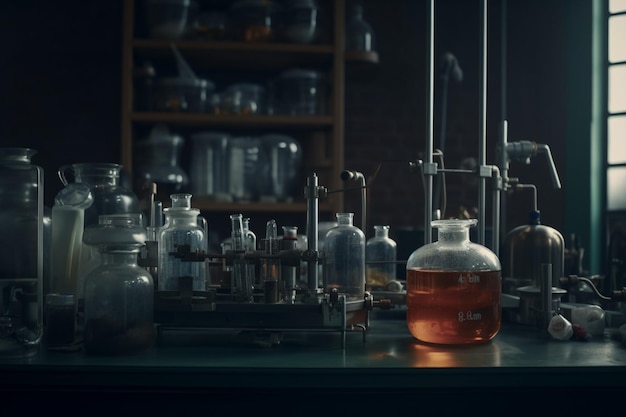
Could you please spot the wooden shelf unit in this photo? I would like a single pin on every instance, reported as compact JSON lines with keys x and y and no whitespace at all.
{"x":322,"y":137}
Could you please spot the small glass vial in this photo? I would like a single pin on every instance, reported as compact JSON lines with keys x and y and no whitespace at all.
{"x":181,"y":228}
{"x":453,"y":288}
{"x":380,"y":258}
{"x":119,"y":293}
{"x":344,"y":268}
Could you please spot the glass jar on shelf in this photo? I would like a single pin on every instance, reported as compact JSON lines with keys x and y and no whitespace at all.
{"x":254,"y":20}
{"x":158,"y":160}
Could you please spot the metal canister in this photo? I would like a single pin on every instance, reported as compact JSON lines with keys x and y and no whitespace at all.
{"x":525,"y":249}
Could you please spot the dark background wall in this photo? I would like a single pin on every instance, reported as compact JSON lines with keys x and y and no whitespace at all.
{"x":60,"y":94}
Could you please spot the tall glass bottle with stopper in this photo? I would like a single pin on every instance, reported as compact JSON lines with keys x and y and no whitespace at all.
{"x":182,"y":227}
{"x":344,"y":248}
{"x":453,"y":288}
{"x":380,"y":258}
{"x":119,"y":293}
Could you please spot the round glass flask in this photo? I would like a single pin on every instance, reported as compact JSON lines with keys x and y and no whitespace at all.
{"x":454,"y":288}
{"x":118,"y":293}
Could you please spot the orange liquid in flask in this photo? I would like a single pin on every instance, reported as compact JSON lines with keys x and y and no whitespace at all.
{"x":453,"y":307}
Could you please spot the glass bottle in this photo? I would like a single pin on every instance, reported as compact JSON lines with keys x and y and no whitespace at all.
{"x":109,"y":196}
{"x":344,"y":268}
{"x":359,"y":33}
{"x":380,"y":258}
{"x":22,"y":255}
{"x":118,"y":293}
{"x":242,"y":283}
{"x":158,"y":160}
{"x":271,"y":265}
{"x":453,"y":288}
{"x":181,"y":227}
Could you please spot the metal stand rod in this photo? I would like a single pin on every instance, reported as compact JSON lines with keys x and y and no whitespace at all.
{"x":312,"y":195}
{"x":482,"y":129}
{"x":429,"y":169}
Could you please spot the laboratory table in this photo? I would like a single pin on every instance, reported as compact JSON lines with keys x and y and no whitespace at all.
{"x":248,"y":371}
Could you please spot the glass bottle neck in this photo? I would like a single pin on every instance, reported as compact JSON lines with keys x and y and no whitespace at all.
{"x":453,"y":234}
{"x":381,"y":232}
{"x":187,"y":217}
{"x":108,"y":257}
{"x":344,"y":219}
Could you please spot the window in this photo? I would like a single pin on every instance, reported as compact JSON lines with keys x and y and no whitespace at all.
{"x":616,"y":106}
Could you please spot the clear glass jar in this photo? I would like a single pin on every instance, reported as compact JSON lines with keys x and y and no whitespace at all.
{"x":209,"y":165}
{"x":380,"y":258}
{"x":245,"y":160}
{"x":118,"y":293}
{"x":158,"y":161}
{"x":22,"y":255}
{"x":453,"y":288}
{"x":254,"y":20}
{"x":109,"y":196}
{"x":299,"y":92}
{"x":181,"y":227}
{"x":299,"y":21}
{"x":243,"y":99}
{"x":344,"y":267}
{"x":284,"y":157}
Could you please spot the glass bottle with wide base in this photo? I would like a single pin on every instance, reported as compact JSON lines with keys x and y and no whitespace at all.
{"x":119,"y":293}
{"x":454,"y":288}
